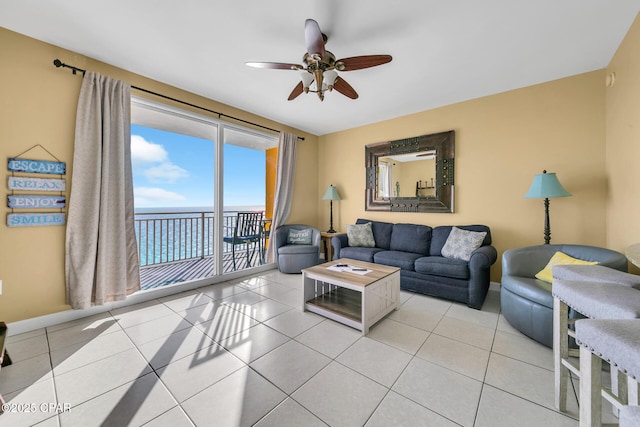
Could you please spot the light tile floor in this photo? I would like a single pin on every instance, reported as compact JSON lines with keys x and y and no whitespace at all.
{"x":243,"y":353}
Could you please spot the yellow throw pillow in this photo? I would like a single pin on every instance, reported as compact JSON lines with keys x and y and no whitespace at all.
{"x":560,"y":258}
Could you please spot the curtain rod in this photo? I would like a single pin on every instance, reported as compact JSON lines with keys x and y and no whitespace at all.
{"x":59,"y":64}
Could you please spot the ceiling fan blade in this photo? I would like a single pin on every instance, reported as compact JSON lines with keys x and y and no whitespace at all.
{"x":360,"y":62}
{"x":345,"y":88}
{"x":313,"y":38}
{"x":275,"y":65}
{"x":296,"y":91}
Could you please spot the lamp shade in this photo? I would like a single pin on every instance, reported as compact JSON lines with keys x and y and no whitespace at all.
{"x":546,"y":186}
{"x":330,"y":77}
{"x":306,"y":78}
{"x":331,"y":194}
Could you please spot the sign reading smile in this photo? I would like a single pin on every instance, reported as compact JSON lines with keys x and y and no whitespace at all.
{"x":35,"y":219}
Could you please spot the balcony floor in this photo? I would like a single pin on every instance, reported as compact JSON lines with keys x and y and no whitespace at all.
{"x":158,"y":275}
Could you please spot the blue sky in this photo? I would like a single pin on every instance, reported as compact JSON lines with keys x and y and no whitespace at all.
{"x":173,"y":170}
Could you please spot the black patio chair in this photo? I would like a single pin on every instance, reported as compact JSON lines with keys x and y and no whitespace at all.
{"x":248,"y":232}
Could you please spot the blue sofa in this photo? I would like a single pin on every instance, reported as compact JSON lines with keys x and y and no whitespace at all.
{"x":416,"y":250}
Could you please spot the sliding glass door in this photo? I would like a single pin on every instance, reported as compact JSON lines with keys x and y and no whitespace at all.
{"x":247,"y":197}
{"x":182,"y":178}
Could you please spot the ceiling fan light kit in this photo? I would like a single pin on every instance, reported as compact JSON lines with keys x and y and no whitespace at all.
{"x":319,"y":74}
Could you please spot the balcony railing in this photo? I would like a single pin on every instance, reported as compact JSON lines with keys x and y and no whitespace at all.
{"x":166,"y":237}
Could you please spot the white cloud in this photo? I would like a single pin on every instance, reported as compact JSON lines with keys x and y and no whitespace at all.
{"x":166,"y":172}
{"x":146,"y":196}
{"x":152,"y":161}
{"x":143,"y":151}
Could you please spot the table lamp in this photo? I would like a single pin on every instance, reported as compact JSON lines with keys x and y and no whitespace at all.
{"x":545,"y":186}
{"x":331,"y":194}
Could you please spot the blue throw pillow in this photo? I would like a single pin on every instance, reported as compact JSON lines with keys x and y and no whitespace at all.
{"x":299,"y":237}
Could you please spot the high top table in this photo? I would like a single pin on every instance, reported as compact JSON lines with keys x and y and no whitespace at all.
{"x":633,"y":254}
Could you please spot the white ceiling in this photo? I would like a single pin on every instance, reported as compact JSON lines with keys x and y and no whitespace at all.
{"x":443,"y":51}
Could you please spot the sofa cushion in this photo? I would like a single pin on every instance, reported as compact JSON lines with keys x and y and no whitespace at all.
{"x":402,"y":260}
{"x":361,"y":254}
{"x":360,"y":235}
{"x":440,"y":266}
{"x":411,"y":238}
{"x":441,"y":234}
{"x":381,"y":232}
{"x":461,"y":243}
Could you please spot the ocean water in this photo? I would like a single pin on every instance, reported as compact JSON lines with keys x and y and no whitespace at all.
{"x":174,"y":234}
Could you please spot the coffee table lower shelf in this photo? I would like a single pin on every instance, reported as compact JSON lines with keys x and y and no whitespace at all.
{"x":341,"y":304}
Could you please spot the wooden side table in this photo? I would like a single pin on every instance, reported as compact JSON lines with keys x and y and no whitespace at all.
{"x":326,"y":240}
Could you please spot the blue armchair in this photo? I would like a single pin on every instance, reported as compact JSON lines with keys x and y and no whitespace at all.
{"x":295,"y":253}
{"x":527,"y":302}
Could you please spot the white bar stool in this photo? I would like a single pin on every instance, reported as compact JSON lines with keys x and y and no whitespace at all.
{"x":595,"y":300}
{"x":618,"y":343}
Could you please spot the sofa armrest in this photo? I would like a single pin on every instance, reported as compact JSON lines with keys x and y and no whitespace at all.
{"x":480,"y":274}
{"x":338,"y":242}
{"x":483,"y":257}
{"x":526,"y":261}
{"x":280,"y":237}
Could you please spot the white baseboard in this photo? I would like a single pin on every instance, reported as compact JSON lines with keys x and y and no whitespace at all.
{"x":27,"y":325}
{"x":494,"y":286}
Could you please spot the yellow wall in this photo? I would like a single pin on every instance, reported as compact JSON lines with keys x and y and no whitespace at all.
{"x":38,"y":106}
{"x":623,"y":144}
{"x":575,"y":127}
{"x":501,"y":142}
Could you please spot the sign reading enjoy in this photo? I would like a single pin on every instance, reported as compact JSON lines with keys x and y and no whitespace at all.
{"x":36,"y":202}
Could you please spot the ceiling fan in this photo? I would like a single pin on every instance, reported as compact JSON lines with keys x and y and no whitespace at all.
{"x":320,"y":66}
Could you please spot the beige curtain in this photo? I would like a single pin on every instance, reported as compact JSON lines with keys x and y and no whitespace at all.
{"x":101,"y":254}
{"x":284,"y":186}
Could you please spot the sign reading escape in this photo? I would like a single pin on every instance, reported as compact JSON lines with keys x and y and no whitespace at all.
{"x":36,"y":166}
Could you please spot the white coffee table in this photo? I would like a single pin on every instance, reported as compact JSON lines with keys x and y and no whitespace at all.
{"x":355,"y":298}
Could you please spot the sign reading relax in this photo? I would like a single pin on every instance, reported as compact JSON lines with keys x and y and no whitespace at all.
{"x":36,"y":184}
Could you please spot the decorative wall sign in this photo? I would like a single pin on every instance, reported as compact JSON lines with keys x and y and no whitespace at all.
{"x":24,"y":190}
{"x":36,"y":166}
{"x":35,"y":219}
{"x":36,"y":202}
{"x":36,"y":184}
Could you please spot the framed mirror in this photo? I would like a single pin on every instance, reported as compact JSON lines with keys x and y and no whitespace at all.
{"x":411,"y":175}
